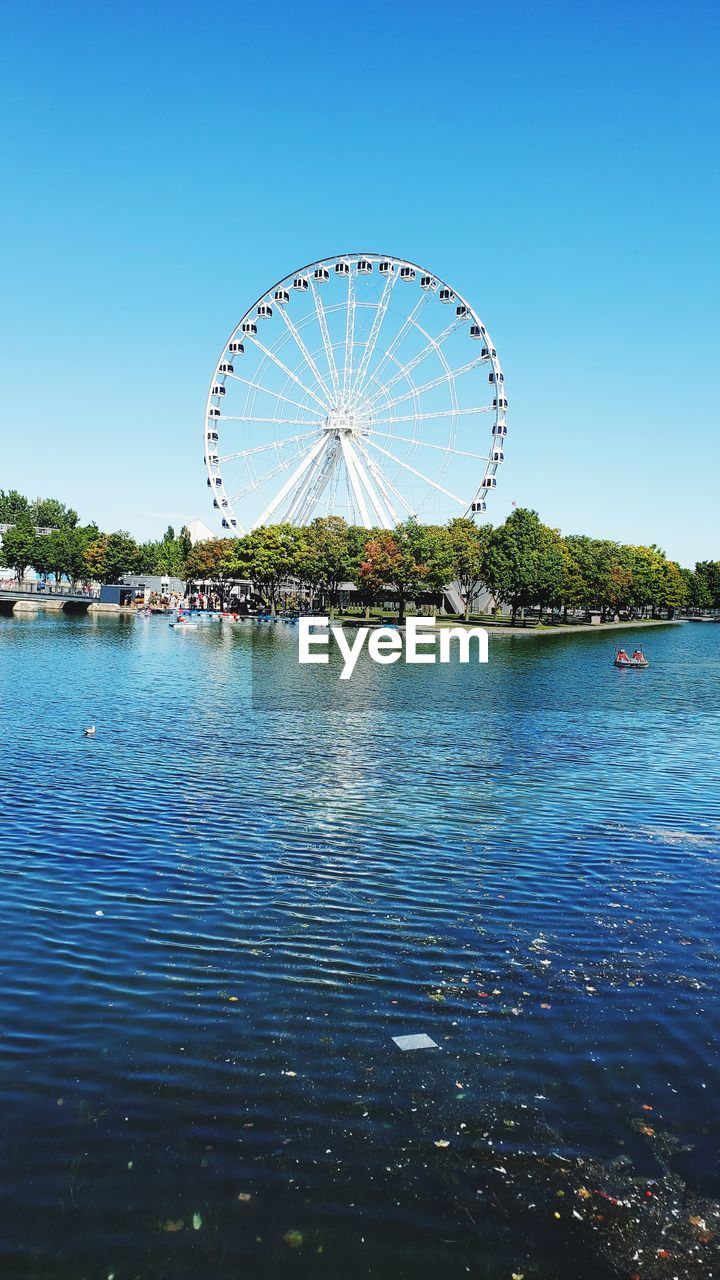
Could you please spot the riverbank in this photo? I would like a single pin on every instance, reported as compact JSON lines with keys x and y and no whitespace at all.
{"x":564,"y":629}
{"x":495,"y":629}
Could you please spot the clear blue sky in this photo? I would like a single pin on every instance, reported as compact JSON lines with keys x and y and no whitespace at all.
{"x":164,"y":163}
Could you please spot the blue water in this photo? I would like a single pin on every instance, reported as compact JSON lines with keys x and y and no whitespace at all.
{"x":217,"y":913}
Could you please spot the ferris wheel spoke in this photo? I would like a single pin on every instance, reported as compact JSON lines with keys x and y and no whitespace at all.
{"x":325,"y":333}
{"x":384,"y":484}
{"x":406,"y":465}
{"x":404,"y":328}
{"x":277,"y":422}
{"x":276,"y":395}
{"x":349,"y":335}
{"x":432,"y":345}
{"x":270,"y":355}
{"x":436,"y":382}
{"x":262,"y":448}
{"x":374,"y":334}
{"x":425,"y":444}
{"x":437,"y":413}
{"x":304,"y":351}
{"x":289,"y":485}
{"x":277,"y":469}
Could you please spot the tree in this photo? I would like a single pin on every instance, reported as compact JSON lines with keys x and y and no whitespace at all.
{"x":674,"y":590}
{"x":411,"y":558}
{"x":111,"y":555}
{"x":18,"y":544}
{"x":513,"y":559}
{"x":49,"y":513}
{"x":65,"y":553}
{"x":12,"y":505}
{"x":469,"y":543}
{"x":550,"y":567}
{"x":268,"y":556}
{"x":709,"y":572}
{"x":214,"y":561}
{"x":699,"y":595}
{"x":324,"y":556}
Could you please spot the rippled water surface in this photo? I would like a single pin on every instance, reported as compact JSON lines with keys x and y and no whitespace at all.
{"x":217,"y":913}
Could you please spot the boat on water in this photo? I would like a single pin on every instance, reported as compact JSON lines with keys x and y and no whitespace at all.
{"x":637,"y":661}
{"x":184,"y":624}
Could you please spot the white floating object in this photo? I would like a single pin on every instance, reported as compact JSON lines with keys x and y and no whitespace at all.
{"x":420,"y":1041}
{"x":90,"y":731}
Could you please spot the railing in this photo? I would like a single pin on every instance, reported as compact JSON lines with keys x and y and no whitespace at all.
{"x":42,"y":589}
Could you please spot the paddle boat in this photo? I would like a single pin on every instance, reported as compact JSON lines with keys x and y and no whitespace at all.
{"x":184,"y":624}
{"x":638,"y":659}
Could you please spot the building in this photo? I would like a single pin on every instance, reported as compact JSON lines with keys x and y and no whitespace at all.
{"x":199,"y":532}
{"x":153,"y":583}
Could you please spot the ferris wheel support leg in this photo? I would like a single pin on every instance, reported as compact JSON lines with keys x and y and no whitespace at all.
{"x":355,"y":483}
{"x":375,"y":498}
{"x":385,"y":486}
{"x":312,"y":486}
{"x":290,"y":484}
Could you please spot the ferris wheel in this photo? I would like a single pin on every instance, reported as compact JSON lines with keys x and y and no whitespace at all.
{"x":363,"y":386}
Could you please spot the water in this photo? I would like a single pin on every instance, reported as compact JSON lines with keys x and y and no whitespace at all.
{"x":217,"y":913}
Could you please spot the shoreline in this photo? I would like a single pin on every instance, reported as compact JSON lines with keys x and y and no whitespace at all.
{"x":587,"y":628}
{"x":570,"y":628}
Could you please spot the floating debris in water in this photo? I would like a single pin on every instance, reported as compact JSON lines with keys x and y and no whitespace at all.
{"x":420,"y":1041}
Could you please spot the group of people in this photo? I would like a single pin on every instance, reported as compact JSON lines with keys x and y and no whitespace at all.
{"x":638,"y":656}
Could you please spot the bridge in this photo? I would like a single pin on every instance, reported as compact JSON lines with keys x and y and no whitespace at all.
{"x":30,"y":600}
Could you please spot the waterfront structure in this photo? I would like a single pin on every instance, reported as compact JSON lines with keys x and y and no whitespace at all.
{"x":147,"y":584}
{"x":361,"y":385}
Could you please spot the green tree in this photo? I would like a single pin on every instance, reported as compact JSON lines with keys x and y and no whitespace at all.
{"x":469,"y":544}
{"x":699,"y":595}
{"x":18,"y":544}
{"x":214,"y":562}
{"x":111,"y":555}
{"x":268,"y":556}
{"x":50,"y":513}
{"x":674,"y":591}
{"x":513,"y":560}
{"x":550,"y":569}
{"x":66,"y":553}
{"x":12,"y":505}
{"x":324,"y":556}
{"x":709,"y":572}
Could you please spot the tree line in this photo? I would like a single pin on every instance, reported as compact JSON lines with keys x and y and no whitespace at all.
{"x":80,"y":553}
{"x":522,"y":563}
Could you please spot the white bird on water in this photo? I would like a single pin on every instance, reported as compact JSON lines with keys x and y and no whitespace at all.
{"x":90,"y":732}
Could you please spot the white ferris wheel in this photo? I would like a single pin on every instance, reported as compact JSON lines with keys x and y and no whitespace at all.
{"x":361,"y":386}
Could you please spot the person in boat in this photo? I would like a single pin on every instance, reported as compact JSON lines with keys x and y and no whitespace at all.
{"x":638,"y":656}
{"x":621,"y":656}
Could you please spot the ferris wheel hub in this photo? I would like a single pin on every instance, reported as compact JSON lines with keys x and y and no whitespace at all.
{"x":342,"y":421}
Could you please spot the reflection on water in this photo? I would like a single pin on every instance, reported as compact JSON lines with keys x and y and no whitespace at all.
{"x":217,"y":914}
